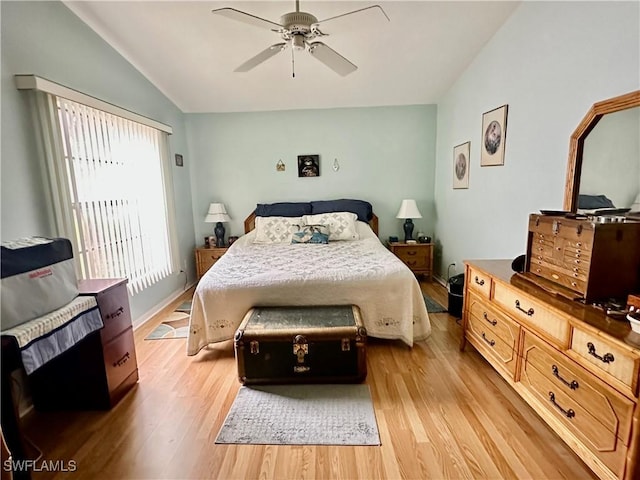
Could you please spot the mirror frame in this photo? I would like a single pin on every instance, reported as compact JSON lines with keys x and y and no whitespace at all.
{"x":576,"y":143}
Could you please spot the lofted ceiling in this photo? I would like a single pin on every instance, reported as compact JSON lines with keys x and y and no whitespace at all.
{"x":189,"y":53}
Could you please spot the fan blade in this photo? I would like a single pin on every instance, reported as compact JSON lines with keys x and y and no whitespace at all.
{"x":368,"y":15}
{"x":331,"y":59}
{"x":244,"y":17}
{"x":264,"y":55}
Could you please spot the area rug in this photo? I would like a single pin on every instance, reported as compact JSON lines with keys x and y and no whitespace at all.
{"x":301,"y":415}
{"x":175,"y":326}
{"x":432,"y":305}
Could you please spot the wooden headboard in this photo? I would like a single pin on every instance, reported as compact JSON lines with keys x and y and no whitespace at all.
{"x":250,"y":223}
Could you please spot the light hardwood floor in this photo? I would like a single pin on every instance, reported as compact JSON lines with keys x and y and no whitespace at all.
{"x":441,"y":414}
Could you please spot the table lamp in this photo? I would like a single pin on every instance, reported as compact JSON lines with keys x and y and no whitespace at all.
{"x":218,"y":213}
{"x":408,"y":211}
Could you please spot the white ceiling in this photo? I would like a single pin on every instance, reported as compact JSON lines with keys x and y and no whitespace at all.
{"x":190,"y":53}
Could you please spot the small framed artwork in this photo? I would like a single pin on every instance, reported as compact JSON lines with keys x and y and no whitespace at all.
{"x":308,"y":165}
{"x":207,"y":242}
{"x":461,"y":165}
{"x":494,"y":136}
{"x":179,"y":160}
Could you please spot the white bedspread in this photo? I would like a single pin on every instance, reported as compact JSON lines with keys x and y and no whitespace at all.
{"x":361,"y":272}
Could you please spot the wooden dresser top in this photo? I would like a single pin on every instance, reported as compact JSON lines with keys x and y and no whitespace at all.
{"x":618,"y":329}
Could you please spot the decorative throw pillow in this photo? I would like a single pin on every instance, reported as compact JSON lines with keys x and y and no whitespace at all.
{"x":342,"y":225}
{"x":311,"y":234}
{"x":276,"y":229}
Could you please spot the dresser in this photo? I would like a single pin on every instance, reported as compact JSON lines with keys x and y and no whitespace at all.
{"x":417,"y":256}
{"x":576,"y":367}
{"x":97,"y":372}
{"x":206,"y":257}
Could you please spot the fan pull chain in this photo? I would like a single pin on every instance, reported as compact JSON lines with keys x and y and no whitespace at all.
{"x":293,"y":64}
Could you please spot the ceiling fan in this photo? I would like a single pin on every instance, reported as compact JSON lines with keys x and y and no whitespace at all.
{"x":298,"y":30}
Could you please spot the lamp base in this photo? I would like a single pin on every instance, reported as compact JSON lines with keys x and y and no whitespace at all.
{"x":219,"y":231}
{"x":408,"y":229}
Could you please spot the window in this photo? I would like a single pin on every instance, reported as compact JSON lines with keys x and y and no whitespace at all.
{"x":111,"y":190}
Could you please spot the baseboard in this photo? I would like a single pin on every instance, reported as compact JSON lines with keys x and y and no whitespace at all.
{"x":440,"y":280}
{"x":148,"y":315}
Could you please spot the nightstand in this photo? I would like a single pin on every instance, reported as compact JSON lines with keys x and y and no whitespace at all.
{"x":206,"y":257}
{"x":417,"y":256}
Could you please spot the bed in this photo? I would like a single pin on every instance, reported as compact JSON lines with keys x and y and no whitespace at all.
{"x":359,"y":271}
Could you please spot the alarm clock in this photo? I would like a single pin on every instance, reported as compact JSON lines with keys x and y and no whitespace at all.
{"x":424,"y":239}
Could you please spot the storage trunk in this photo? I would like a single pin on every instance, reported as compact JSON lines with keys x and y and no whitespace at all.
{"x":320,"y":344}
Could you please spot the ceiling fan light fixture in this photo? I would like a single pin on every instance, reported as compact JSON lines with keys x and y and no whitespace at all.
{"x":297,"y":42}
{"x":299,"y":29}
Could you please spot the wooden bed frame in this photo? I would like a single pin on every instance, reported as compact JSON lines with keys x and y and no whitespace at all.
{"x":250,"y":223}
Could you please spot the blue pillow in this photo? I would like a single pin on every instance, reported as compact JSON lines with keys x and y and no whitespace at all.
{"x":590,"y":202}
{"x":362,"y":209}
{"x":283,"y":209}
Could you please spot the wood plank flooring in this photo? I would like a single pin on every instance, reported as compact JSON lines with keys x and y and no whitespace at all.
{"x":442,"y":414}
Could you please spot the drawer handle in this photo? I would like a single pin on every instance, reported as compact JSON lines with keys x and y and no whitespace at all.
{"x":122,"y":360}
{"x":115,"y":314}
{"x":567,"y":413}
{"x":479,"y":281}
{"x":490,"y":342}
{"x":573,"y":385}
{"x":606,"y":358}
{"x":411,"y":252}
{"x":411,"y":263}
{"x":529,"y":312}
{"x":492,"y":322}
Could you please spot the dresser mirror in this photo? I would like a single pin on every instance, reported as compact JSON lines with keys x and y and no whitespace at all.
{"x":604,"y":157}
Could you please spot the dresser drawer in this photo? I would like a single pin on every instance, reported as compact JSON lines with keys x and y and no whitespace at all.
{"x":606,"y":357}
{"x":564,"y":408}
{"x":529,"y":311}
{"x":493,"y":322}
{"x":498,"y":352}
{"x":479,"y":282}
{"x":114,"y":308}
{"x":607,"y":406}
{"x":120,"y":358}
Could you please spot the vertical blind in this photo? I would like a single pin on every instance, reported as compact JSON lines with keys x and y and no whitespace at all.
{"x":111,"y":191}
{"x":119,"y":216}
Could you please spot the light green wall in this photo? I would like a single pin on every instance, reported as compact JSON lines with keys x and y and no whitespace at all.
{"x":385,"y":154}
{"x":47,"y":39}
{"x":549,"y":62}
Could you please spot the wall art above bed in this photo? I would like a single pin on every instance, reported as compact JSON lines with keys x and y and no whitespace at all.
{"x":308,"y":165}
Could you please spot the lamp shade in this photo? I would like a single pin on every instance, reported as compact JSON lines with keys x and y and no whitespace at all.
{"x":217,"y":213}
{"x":408,"y":209}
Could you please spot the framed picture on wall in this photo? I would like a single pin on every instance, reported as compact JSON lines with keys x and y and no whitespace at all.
{"x":494,"y":136}
{"x":461,"y":165}
{"x":308,"y":165}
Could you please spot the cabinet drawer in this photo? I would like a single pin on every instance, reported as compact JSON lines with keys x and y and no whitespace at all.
{"x":606,"y":357}
{"x":114,"y":308}
{"x":479,"y":282}
{"x":575,"y":281}
{"x":562,"y":407}
{"x":411,"y":253}
{"x":416,"y":263}
{"x":606,"y":405}
{"x":492,"y":321}
{"x":527,"y":310}
{"x":120,"y":358}
{"x":499,"y":353}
